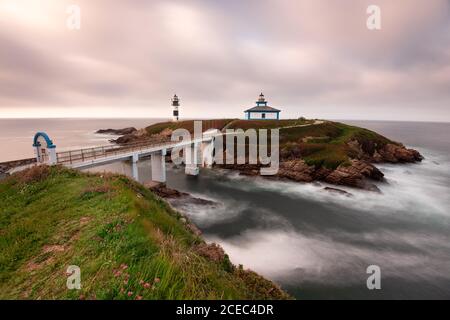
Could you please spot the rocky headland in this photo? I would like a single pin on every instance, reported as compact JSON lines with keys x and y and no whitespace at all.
{"x":326,"y":151}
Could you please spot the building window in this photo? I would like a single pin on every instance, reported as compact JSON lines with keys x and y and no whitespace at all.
{"x":263,"y":116}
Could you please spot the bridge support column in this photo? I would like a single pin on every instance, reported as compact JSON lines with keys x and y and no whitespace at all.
{"x":207,"y":153}
{"x":158,"y":160}
{"x":134,"y":161}
{"x":191,"y":157}
{"x":52,"y":156}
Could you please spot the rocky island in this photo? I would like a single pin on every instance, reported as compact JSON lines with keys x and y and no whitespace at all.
{"x":310,"y":150}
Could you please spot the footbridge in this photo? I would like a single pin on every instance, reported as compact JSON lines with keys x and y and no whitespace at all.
{"x":196,"y":152}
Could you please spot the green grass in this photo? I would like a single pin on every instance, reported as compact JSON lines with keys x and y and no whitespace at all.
{"x":326,"y":144}
{"x":320,"y":145}
{"x":188,"y":125}
{"x":121,"y":235}
{"x":267,"y":124}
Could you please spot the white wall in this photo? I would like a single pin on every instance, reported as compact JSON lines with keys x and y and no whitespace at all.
{"x":258,"y":115}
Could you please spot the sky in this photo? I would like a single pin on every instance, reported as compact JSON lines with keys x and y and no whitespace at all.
{"x":311,"y":58}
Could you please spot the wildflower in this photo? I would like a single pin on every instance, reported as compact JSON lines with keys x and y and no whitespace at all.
{"x":146,"y":285}
{"x":130,"y":293}
{"x":138,"y":297}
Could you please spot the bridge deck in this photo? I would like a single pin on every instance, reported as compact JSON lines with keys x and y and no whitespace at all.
{"x":91,"y":157}
{"x":89,"y":154}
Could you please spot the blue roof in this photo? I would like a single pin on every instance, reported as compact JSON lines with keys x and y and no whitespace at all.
{"x":262,"y":109}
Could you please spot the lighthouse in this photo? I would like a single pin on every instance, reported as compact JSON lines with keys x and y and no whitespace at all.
{"x":175,"y":105}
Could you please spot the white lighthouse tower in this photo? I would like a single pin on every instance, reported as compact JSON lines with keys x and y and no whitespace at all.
{"x":175,"y":105}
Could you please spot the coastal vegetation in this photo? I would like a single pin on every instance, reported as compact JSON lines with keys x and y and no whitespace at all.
{"x":315,"y":150}
{"x":127,"y":242}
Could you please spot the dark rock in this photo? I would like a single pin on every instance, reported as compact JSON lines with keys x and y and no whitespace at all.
{"x":118,"y":132}
{"x":141,"y":138}
{"x":338,"y":191}
{"x":296,"y":170}
{"x":128,"y":138}
{"x":356,"y":175}
{"x":398,"y":153}
{"x":161,"y":190}
{"x":200,"y":201}
{"x":371,"y":152}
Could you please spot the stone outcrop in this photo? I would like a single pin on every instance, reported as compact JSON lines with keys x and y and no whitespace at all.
{"x":141,"y":136}
{"x":118,"y":132}
{"x":296,"y":170}
{"x":356,"y":175}
{"x":397,"y":154}
{"x":161,"y":190}
{"x":338,"y":191}
{"x":389,"y":152}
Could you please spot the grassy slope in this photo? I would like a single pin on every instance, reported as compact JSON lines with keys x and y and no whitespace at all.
{"x":326,"y":143}
{"x":188,"y":125}
{"x":122,"y":237}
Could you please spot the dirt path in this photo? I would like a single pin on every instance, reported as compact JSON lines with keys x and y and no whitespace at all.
{"x":316,"y":122}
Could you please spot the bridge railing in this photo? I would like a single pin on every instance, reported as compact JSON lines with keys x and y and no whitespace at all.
{"x":85,"y":154}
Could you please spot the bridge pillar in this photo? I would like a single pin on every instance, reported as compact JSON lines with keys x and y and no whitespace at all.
{"x":207,"y":153}
{"x":52,"y":156}
{"x":158,"y":160}
{"x":191,"y":159}
{"x":134,"y":161}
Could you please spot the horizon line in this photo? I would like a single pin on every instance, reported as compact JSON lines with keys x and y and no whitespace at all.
{"x":210,"y":118}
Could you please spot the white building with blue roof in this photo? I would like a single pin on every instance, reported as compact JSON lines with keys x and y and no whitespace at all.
{"x":262,"y":111}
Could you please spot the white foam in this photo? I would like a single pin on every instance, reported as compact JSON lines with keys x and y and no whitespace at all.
{"x":420,"y":190}
{"x":282,"y":255}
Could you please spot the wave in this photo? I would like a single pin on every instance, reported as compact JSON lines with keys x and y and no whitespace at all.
{"x":292,"y":257}
{"x":420,"y":189}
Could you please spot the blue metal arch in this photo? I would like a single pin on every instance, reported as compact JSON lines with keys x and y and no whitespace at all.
{"x":49,"y":142}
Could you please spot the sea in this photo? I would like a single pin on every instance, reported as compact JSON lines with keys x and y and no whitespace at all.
{"x":313,"y":243}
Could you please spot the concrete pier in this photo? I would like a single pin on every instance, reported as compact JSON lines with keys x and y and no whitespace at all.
{"x":192,"y":159}
{"x":134,"y":161}
{"x":158,"y":162}
{"x":207,"y":149}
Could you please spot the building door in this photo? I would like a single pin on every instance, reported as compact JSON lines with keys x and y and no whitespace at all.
{"x":263,"y":115}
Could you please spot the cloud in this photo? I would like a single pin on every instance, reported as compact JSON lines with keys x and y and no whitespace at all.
{"x":312,"y":58}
